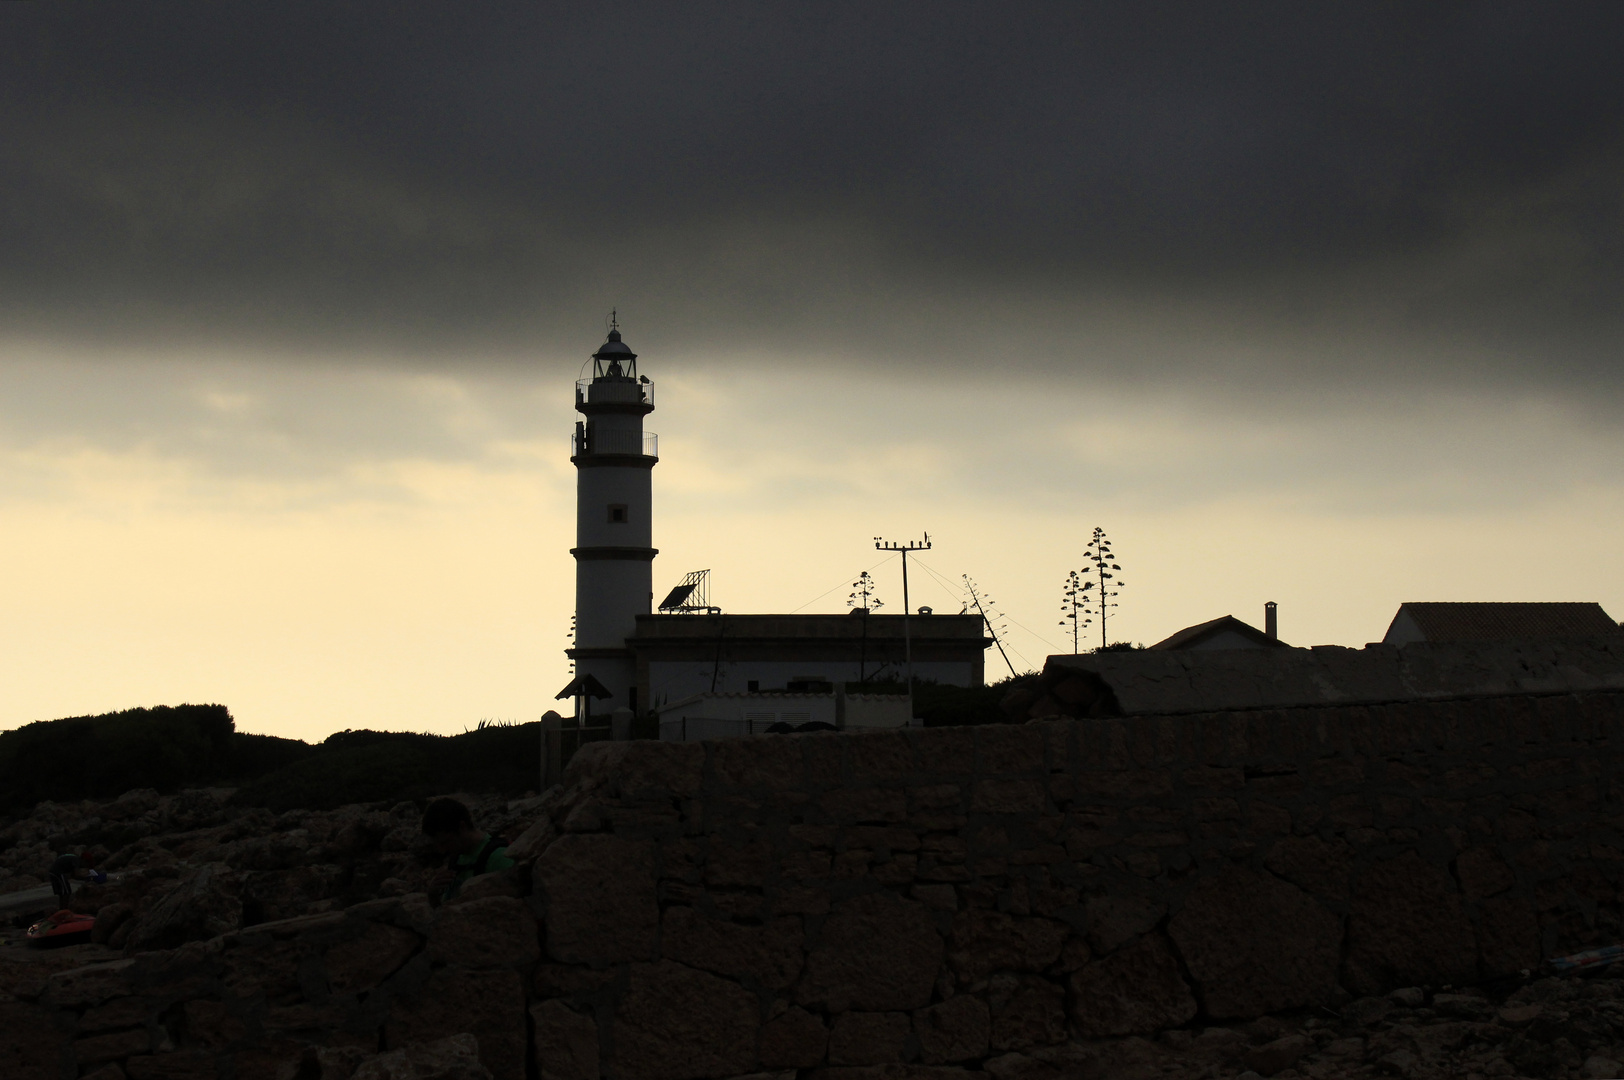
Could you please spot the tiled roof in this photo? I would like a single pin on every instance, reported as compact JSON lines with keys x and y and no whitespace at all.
{"x":1508,"y":622}
{"x":1194,"y":635}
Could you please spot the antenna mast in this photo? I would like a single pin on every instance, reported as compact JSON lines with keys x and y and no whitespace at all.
{"x":907,"y":636}
{"x":975,"y":598}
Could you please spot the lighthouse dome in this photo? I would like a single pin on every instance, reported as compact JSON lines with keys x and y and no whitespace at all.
{"x":614,"y":349}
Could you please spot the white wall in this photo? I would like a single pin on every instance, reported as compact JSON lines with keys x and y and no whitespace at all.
{"x":672,"y":680}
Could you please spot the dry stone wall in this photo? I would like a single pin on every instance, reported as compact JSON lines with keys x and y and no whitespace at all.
{"x":1020,"y":902}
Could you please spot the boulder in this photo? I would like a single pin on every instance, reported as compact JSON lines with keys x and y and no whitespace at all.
{"x":599,"y":890}
{"x":876,"y":952}
{"x":677,"y":1023}
{"x":365,"y":961}
{"x":1255,"y":944}
{"x":453,"y":1058}
{"x":108,"y":920}
{"x":1135,"y":991}
{"x":489,"y":1005}
{"x":204,"y":905}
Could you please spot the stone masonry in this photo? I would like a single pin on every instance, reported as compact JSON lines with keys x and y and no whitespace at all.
{"x":933,"y":904}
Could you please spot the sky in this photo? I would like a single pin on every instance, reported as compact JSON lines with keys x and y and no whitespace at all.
{"x":1318,"y":304}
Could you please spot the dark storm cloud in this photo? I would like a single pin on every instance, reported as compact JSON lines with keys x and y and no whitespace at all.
{"x":480,"y":174}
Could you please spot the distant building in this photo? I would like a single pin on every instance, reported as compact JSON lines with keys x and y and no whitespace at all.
{"x":720,"y":715}
{"x":1497,"y":622}
{"x":1227,"y":632}
{"x":626,"y":657}
{"x":678,"y":656}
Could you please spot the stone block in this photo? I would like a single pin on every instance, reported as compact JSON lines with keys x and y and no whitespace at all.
{"x":872,"y":805}
{"x":365,"y":961}
{"x":745,"y":865}
{"x":677,"y":1023}
{"x":891,"y":838}
{"x":945,"y":751}
{"x":769,"y":955}
{"x":1320,"y":866}
{"x":758,"y":764}
{"x":958,"y":1029}
{"x":498,"y":931}
{"x":1407,"y":927}
{"x":31,"y":1046}
{"x":181,"y":1065}
{"x":88,"y":985}
{"x":487,"y":1004}
{"x":1116,"y":919}
{"x":1266,"y":819}
{"x":885,"y":757}
{"x":600,"y":891}
{"x":895,"y":1071}
{"x":639,"y":769}
{"x":1136,"y":991}
{"x":1482,"y":873}
{"x":106,"y":1072}
{"x":1033,"y":1015}
{"x":1508,"y":936}
{"x":876,"y":952}
{"x":1009,"y":797}
{"x":794,"y":1039}
{"x":1126,"y":784}
{"x":983,"y":942}
{"x":271,"y":969}
{"x":1255,"y":944}
{"x":118,"y":1013}
{"x":211,"y":1025}
{"x":868,"y":1038}
{"x":453,"y":1058}
{"x":1010,"y":748}
{"x":119,"y":1044}
{"x":1213,"y":778}
{"x":1278,"y":1055}
{"x":565,"y":1041}
{"x":940,"y":897}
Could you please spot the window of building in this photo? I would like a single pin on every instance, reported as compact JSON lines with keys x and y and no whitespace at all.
{"x":754,"y":686}
{"x":617,"y":513}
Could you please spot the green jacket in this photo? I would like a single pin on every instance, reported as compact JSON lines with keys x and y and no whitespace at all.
{"x":491,"y":857}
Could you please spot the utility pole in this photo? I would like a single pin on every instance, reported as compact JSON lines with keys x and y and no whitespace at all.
{"x":907,"y":636}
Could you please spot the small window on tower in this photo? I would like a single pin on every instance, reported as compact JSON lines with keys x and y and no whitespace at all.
{"x":617,"y":513}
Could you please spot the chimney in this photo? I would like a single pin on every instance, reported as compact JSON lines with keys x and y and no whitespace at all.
{"x":1271,"y":621}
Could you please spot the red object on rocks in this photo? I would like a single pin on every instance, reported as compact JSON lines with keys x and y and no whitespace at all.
{"x":62,"y":928}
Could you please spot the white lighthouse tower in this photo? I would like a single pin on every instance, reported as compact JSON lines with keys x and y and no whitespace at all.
{"x":614,"y":460}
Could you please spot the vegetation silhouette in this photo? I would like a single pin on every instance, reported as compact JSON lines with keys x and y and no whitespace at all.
{"x":173,"y":747}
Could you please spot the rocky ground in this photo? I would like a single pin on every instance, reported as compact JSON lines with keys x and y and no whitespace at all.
{"x":191,"y":866}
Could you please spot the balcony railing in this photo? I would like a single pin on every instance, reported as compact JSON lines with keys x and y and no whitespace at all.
{"x":613,"y":391}
{"x":640,"y":443}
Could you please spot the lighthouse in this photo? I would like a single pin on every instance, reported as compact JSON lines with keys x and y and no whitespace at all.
{"x":614,"y":460}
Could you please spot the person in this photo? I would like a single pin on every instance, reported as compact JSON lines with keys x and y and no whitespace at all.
{"x":469,"y":851}
{"x":66,"y":869}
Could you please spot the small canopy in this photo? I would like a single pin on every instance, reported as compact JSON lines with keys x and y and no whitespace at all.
{"x":583,"y":685}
